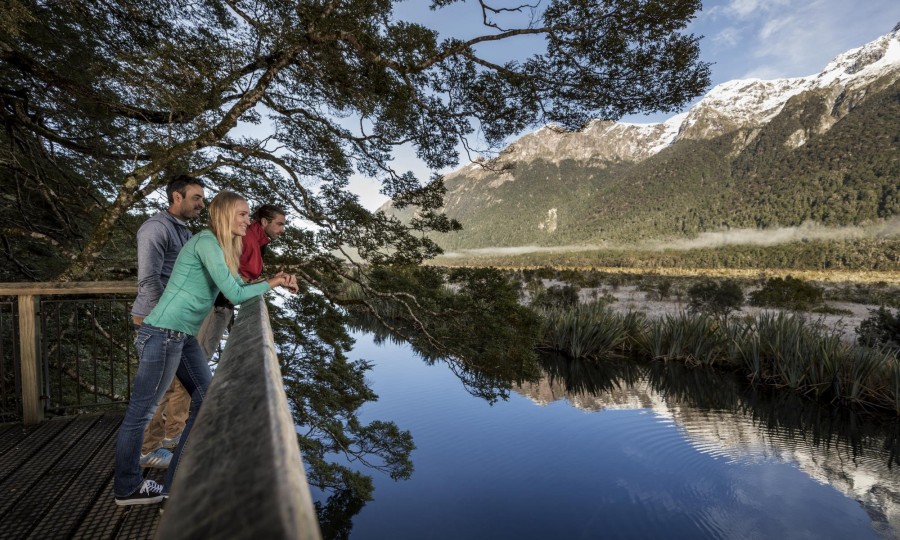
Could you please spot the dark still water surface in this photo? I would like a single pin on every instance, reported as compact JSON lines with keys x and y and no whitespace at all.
{"x":626,"y":452}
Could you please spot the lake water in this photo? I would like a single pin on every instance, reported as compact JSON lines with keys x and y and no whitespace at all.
{"x":623,"y":451}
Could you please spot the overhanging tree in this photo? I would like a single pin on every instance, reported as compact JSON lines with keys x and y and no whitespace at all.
{"x":283,"y":101}
{"x":102,"y":101}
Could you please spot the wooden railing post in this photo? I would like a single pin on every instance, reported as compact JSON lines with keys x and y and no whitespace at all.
{"x":29,"y":298}
{"x":29,"y":354}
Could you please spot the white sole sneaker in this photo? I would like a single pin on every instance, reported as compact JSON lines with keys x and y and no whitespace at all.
{"x":136,"y":501}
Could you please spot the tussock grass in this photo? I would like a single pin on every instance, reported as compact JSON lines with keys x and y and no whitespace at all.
{"x":589,"y":331}
{"x":693,"y":339}
{"x":773,"y":348}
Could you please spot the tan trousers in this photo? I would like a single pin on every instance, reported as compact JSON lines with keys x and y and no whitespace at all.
{"x":213,"y":328}
{"x":169,"y":419}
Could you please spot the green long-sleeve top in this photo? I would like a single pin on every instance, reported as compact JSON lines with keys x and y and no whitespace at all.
{"x":199,"y":274}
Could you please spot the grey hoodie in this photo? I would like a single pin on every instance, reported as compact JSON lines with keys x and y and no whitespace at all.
{"x":159,"y":240}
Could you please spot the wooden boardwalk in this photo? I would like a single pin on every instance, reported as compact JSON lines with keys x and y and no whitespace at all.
{"x":56,"y":482}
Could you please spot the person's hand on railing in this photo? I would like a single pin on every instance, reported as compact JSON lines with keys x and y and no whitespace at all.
{"x":287,"y":281}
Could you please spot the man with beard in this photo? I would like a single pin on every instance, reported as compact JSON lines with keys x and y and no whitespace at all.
{"x":159,"y":240}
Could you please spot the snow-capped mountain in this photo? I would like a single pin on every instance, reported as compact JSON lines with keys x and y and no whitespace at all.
{"x":744,"y":103}
{"x":751,"y":154}
{"x":754,"y":102}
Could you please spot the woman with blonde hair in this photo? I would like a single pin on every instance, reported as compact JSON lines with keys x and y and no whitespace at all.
{"x":165,"y":342}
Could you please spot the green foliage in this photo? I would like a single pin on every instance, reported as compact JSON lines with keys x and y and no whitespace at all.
{"x":326,"y":391}
{"x":788,"y":293}
{"x":589,"y":331}
{"x":106,"y":103}
{"x":470,"y":318}
{"x":880,"y":328}
{"x":863,"y":254}
{"x":717,"y":298}
{"x":831,"y":310}
{"x":556,"y":296}
{"x":658,"y":289}
{"x":762,"y":181}
{"x":693,"y":339}
{"x":879,"y":293}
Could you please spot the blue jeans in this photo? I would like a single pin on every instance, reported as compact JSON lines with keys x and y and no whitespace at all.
{"x":164,"y":354}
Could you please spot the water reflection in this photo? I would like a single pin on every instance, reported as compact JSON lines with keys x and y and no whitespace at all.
{"x":484,"y":377}
{"x":722,"y":416}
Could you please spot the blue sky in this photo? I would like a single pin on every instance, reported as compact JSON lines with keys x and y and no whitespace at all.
{"x":765,"y":39}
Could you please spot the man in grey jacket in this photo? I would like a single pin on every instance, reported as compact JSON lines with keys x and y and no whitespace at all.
{"x":159,"y":240}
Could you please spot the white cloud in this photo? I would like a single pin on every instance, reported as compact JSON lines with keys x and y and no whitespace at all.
{"x":771,"y":39}
{"x":774,"y":26}
{"x":728,"y":36}
{"x":745,"y":9}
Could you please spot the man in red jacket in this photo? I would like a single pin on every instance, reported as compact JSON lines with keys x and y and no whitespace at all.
{"x":268,"y":224}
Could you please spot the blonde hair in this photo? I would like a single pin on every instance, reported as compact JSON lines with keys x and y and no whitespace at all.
{"x":221,"y":215}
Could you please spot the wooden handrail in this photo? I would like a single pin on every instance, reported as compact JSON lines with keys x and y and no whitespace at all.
{"x":68,"y":287}
{"x":29,"y":301}
{"x":241,"y":473}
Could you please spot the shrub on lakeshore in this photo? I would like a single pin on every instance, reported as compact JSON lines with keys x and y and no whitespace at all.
{"x":556,"y":296}
{"x":692,"y":338}
{"x":656,"y":289}
{"x":773,"y":348}
{"x":788,"y":293}
{"x":715,"y":298}
{"x":881,"y":327}
{"x":635,"y":324}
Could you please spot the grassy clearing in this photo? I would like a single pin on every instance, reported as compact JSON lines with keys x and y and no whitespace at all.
{"x":825,"y":276}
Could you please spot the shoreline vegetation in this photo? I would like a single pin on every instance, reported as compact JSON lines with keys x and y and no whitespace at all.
{"x":859,"y":260}
{"x":769,"y":326}
{"x":777,"y":349}
{"x":825,"y":276}
{"x":782,"y":345}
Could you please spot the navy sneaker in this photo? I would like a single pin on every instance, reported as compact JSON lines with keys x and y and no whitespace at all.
{"x":149,"y":493}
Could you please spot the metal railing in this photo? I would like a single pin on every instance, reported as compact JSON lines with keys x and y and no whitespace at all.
{"x":87,"y":353}
{"x":10,"y":404}
{"x":64,"y":355}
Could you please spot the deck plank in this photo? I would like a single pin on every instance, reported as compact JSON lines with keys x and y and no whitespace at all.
{"x":39,"y":484}
{"x":56,"y":482}
{"x":13,"y":435}
{"x":32,"y":475}
{"x":34,"y":441}
{"x":86,"y":471}
{"x":103,"y":519}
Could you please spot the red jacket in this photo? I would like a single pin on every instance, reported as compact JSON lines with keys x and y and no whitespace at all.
{"x":251,"y":264}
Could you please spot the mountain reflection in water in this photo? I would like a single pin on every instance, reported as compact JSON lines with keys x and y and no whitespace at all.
{"x":721,"y":416}
{"x":617,"y":449}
